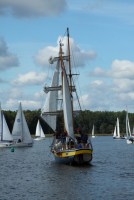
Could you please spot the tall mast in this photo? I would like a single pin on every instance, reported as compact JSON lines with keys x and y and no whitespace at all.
{"x":69,"y":60}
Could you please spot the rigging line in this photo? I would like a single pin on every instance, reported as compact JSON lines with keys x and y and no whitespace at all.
{"x":77,"y":72}
{"x":77,"y":97}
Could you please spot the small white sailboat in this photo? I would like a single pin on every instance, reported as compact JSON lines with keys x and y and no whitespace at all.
{"x":93,"y":136}
{"x":129,"y":136}
{"x":116,"y":134}
{"x":21,"y":134}
{"x":6,"y":138}
{"x":39,"y":134}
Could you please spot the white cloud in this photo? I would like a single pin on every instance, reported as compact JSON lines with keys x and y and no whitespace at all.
{"x":98,"y":71}
{"x":12,"y":104}
{"x":123,"y":85}
{"x":7,"y":59}
{"x":122,"y":69}
{"x":30,"y":78}
{"x":96,"y":83}
{"x":32,"y":8}
{"x":43,"y":55}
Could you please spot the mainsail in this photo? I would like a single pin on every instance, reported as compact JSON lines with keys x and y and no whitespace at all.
{"x":118,"y":128}
{"x":5,"y":134}
{"x":20,"y":128}
{"x":128,"y":131}
{"x":39,"y":130}
{"x":67,"y":106}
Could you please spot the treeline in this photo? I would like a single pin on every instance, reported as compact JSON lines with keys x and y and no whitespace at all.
{"x":104,"y":122}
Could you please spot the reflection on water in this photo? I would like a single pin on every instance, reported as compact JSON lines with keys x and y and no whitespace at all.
{"x":32,"y":174}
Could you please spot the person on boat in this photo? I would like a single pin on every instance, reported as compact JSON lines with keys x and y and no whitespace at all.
{"x":63,"y":139}
{"x":70,"y":143}
{"x":78,"y":137}
{"x":79,"y":146}
{"x":19,"y":140}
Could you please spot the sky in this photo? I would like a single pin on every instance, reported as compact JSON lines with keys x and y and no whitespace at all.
{"x":101,"y":34}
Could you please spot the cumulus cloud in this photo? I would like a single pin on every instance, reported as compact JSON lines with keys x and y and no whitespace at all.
{"x":123,"y":85}
{"x":122,"y":69}
{"x":7,"y":59}
{"x":81,"y":56}
{"x":30,"y":78}
{"x":32,"y":8}
{"x":98,"y":71}
{"x":12,"y":104}
{"x":113,"y":87}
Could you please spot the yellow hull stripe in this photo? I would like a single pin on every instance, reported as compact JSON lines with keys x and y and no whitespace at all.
{"x":64,"y":154}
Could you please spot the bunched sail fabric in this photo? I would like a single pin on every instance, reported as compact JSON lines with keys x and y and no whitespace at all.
{"x":51,"y":102}
{"x":67,"y":106}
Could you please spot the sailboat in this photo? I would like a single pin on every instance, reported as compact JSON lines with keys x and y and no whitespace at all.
{"x":39,"y":134}
{"x":21,"y":134}
{"x":129,"y":136}
{"x":6,"y":138}
{"x":65,"y":147}
{"x":93,"y":136}
{"x":116,"y":134}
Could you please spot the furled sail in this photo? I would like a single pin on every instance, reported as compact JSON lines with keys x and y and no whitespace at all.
{"x":51,"y":102}
{"x":67,"y":106}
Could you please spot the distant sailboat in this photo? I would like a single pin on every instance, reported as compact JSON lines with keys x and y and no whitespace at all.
{"x":6,"y":138}
{"x":130,"y":137}
{"x":21,"y":134}
{"x":93,"y":136}
{"x":39,"y":134}
{"x":116,"y":134}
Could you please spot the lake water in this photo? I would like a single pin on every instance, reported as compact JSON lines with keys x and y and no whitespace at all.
{"x":32,"y":174}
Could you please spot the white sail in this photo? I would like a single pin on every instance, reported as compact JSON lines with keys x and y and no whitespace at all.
{"x":39,"y":130}
{"x":20,"y":128}
{"x":37,"y":133}
{"x":42,"y":133}
{"x":118,"y":128}
{"x":51,"y":102}
{"x":5,"y":134}
{"x":114,"y":135}
{"x":128,"y":131}
{"x":93,"y":132}
{"x":67,"y":107}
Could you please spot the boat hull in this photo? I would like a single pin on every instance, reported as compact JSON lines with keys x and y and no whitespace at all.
{"x":74,"y":156}
{"x":130,"y":141}
{"x":39,"y":138}
{"x":118,"y":137}
{"x":21,"y":145}
{"x":5,"y":144}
